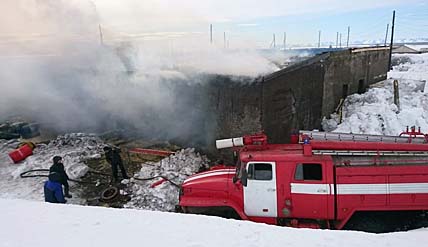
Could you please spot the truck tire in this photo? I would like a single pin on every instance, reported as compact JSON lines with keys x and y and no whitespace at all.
{"x":109,"y":194}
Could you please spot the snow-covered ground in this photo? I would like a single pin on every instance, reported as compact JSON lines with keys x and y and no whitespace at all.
{"x":374,"y":112}
{"x":74,"y":148}
{"x":25,"y":223}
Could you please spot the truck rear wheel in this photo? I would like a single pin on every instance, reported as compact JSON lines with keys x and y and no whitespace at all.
{"x":381,"y":222}
{"x":373,"y":222}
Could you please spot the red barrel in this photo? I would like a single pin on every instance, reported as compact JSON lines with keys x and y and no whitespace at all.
{"x":21,"y":153}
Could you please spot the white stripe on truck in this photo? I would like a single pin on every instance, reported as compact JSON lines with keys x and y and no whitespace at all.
{"x":359,"y":189}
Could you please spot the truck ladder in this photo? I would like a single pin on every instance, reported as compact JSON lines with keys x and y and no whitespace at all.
{"x":370,"y":153}
{"x":330,"y":136}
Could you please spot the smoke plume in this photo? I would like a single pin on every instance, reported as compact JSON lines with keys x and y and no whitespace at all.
{"x":63,"y":68}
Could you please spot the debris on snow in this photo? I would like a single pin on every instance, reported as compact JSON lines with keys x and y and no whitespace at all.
{"x":164,"y":197}
{"x":75,"y":148}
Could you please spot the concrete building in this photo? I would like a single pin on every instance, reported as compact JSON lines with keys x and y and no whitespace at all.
{"x":297,"y":97}
{"x":410,"y":49}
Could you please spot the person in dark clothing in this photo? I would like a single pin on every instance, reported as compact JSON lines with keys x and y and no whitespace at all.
{"x":57,"y":174}
{"x":53,"y":192}
{"x":113,"y":157}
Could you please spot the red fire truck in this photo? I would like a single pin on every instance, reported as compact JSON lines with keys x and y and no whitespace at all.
{"x":325,"y":180}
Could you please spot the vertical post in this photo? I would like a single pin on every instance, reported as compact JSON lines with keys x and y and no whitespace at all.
{"x":337,"y":39}
{"x":319,"y":38}
{"x":396,"y":95}
{"x":340,"y":40}
{"x":392,"y":40}
{"x":285,"y":40}
{"x":101,"y":34}
{"x":274,"y":42}
{"x":386,"y":35}
{"x":211,"y":33}
{"x":347,"y":41}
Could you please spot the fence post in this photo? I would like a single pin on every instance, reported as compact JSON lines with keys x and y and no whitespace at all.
{"x":396,"y":95}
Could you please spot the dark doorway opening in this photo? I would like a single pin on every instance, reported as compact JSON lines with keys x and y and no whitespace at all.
{"x":361,"y":86}
{"x":344,"y":91}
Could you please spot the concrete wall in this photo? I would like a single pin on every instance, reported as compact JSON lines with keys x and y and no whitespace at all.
{"x":297,"y":97}
{"x":354,"y":70}
{"x":292,"y":99}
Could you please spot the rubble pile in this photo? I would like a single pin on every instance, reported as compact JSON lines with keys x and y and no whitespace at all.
{"x":17,"y":129}
{"x":163,"y":197}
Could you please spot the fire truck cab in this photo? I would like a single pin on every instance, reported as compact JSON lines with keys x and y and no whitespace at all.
{"x":353,"y":182}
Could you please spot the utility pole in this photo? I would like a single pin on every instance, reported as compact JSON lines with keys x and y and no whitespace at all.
{"x":392,"y":40}
{"x":319,"y":38}
{"x":211,"y":33}
{"x":274,"y":42}
{"x":386,"y":35}
{"x":347,"y":41}
{"x":340,"y":41}
{"x":285,"y":40}
{"x":101,"y":34}
{"x":337,"y":39}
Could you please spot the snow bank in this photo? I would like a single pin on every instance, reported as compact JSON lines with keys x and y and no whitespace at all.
{"x":374,"y":112}
{"x":74,"y":148}
{"x":164,"y":197}
{"x":37,"y":224}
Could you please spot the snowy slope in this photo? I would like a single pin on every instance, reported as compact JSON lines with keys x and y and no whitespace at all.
{"x":35,"y":224}
{"x":75,"y":148}
{"x":374,"y":112}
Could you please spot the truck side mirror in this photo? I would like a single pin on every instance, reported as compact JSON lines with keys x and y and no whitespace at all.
{"x":235,"y":157}
{"x":244,"y":177}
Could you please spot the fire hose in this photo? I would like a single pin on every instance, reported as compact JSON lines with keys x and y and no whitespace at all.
{"x":110,"y":192}
{"x":27,"y":175}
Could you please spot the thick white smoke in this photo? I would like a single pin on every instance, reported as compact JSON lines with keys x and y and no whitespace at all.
{"x":57,"y":70}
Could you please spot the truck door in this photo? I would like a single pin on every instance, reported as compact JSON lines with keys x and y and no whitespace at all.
{"x":260,"y":198}
{"x":309,"y":191}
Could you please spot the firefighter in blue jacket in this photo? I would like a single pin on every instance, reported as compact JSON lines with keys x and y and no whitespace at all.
{"x":53,"y":192}
{"x":57,"y":178}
